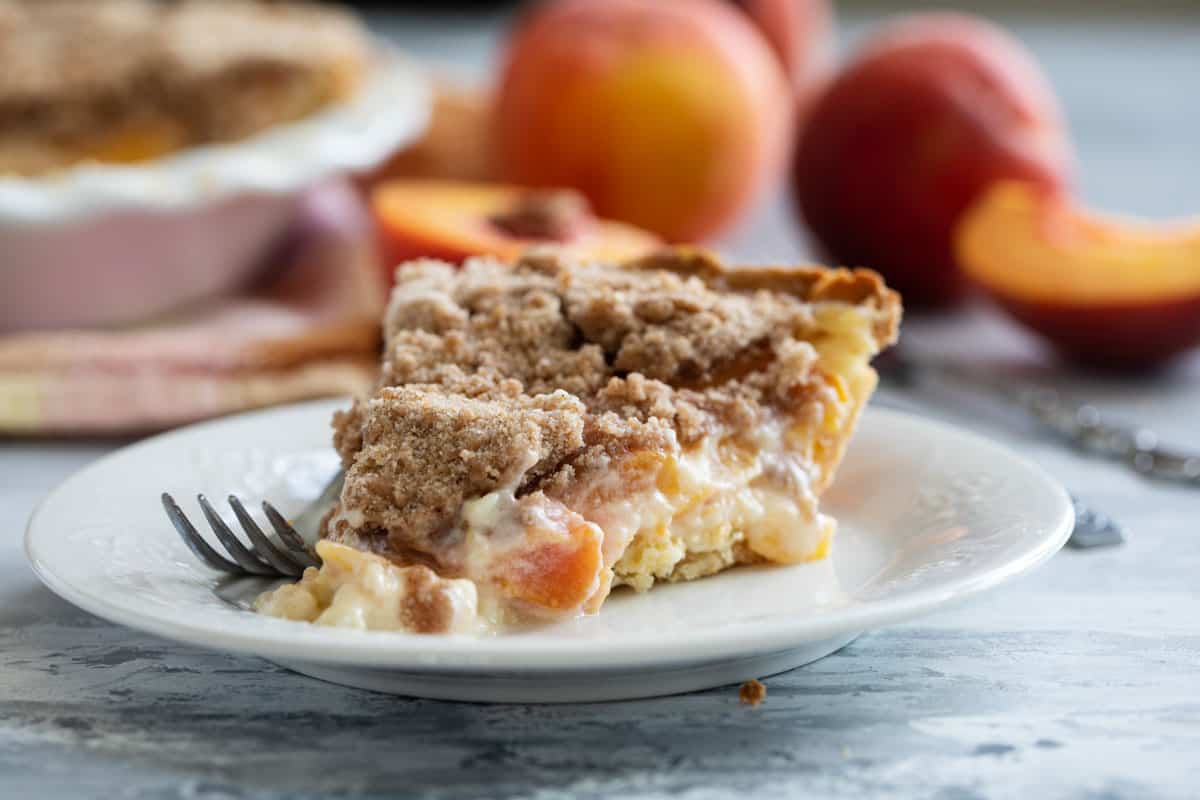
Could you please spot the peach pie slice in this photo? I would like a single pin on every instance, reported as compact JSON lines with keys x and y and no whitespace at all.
{"x":547,"y":431}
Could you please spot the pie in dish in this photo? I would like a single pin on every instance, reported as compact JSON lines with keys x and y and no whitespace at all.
{"x":129,"y":80}
{"x":546,"y":431}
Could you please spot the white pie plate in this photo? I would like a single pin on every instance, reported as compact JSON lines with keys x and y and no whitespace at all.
{"x":929,"y":515}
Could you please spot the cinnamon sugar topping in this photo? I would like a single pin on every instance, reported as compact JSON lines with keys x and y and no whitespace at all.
{"x":129,"y":80}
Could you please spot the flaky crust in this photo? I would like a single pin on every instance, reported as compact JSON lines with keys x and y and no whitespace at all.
{"x":650,"y":356}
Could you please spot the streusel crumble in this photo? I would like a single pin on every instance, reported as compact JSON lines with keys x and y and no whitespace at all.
{"x":130,"y":80}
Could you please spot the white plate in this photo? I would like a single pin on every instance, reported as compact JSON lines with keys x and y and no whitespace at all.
{"x":929,"y":515}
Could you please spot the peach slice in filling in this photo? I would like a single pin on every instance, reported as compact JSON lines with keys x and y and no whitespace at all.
{"x":536,"y":556}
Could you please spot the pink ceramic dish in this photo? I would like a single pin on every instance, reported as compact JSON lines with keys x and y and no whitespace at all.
{"x":129,"y":265}
{"x":114,"y":244}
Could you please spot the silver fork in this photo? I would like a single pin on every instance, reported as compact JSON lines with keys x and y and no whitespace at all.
{"x":284,"y":556}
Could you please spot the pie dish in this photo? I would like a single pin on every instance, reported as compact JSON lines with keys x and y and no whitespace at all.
{"x":101,"y":243}
{"x":125,"y":81}
{"x":548,"y":430}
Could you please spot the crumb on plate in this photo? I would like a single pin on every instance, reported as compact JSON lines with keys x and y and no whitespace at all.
{"x":752,"y":692}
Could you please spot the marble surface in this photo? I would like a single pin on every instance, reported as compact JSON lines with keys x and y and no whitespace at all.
{"x":1079,"y":681}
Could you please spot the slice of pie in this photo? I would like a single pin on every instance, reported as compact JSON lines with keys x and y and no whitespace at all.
{"x":547,"y":431}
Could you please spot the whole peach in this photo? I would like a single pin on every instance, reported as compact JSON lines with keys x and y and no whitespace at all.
{"x":932,"y":111}
{"x":801,"y":34}
{"x":669,"y":115}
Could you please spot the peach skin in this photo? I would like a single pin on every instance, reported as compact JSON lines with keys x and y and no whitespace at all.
{"x":801,"y":34}
{"x":932,"y":111}
{"x":669,"y":115}
{"x":1104,"y":291}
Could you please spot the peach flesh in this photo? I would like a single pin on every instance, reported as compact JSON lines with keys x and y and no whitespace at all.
{"x":453,"y":221}
{"x":1104,"y":291}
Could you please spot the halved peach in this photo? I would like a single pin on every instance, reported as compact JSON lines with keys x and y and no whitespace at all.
{"x":1107,"y":291}
{"x":453,"y":221}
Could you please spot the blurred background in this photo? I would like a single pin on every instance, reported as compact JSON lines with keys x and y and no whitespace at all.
{"x":1121,"y":70}
{"x":1023,"y":172}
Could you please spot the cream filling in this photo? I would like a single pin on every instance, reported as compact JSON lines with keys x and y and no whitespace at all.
{"x":363,"y":591}
{"x":710,"y":506}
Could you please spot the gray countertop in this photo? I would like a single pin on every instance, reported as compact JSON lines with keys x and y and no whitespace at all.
{"x":1079,"y":681}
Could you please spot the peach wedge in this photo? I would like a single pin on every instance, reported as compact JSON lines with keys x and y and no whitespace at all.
{"x":1106,"y":291}
{"x":453,"y":221}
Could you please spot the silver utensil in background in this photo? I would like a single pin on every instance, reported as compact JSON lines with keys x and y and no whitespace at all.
{"x":1080,"y":425}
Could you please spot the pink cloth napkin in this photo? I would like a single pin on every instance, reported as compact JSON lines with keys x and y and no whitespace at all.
{"x":309,"y":327}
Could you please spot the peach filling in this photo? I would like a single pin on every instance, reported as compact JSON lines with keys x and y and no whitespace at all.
{"x":512,"y":560}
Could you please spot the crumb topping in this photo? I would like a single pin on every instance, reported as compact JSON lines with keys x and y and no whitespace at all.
{"x":676,"y":337}
{"x":427,"y":606}
{"x":80,"y":78}
{"x":424,"y":453}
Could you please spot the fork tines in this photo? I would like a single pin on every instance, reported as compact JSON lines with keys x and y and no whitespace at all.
{"x":285,"y":556}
